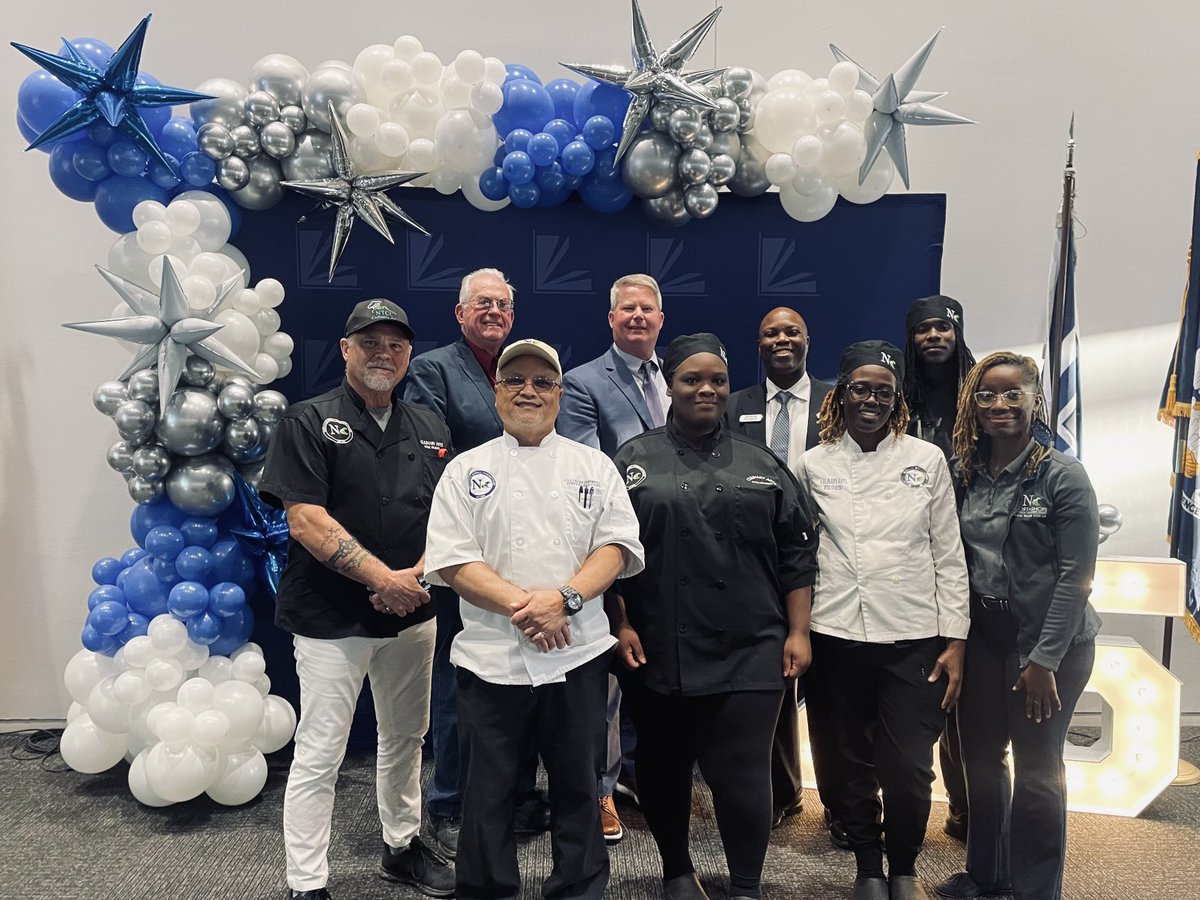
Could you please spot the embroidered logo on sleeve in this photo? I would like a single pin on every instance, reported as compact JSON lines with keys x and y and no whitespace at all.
{"x":337,"y":431}
{"x":634,"y":476}
{"x":914,"y":477}
{"x":1032,"y":506}
{"x":480,"y":483}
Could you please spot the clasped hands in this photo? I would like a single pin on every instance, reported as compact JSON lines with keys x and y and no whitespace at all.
{"x":541,"y":617}
{"x":399,"y":593}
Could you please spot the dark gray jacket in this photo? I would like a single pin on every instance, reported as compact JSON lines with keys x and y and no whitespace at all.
{"x":1050,"y":553}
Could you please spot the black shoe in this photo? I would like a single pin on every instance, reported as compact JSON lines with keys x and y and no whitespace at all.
{"x":420,"y":867}
{"x":961,"y":886}
{"x":956,"y":827}
{"x":792,"y":809}
{"x":837,"y":834}
{"x":685,"y":887}
{"x":318,"y":894}
{"x":626,"y":789}
{"x":907,"y":887}
{"x":870,"y":889}
{"x":531,"y":816}
{"x":444,"y":831}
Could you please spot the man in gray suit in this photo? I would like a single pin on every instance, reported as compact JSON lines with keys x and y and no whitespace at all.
{"x":606,"y":402}
{"x":781,"y":413}
{"x":458,"y":382}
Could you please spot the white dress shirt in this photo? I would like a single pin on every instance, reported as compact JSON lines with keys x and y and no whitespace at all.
{"x":660,"y":383}
{"x":797,"y":408}
{"x":534,"y":515}
{"x":890,"y":565}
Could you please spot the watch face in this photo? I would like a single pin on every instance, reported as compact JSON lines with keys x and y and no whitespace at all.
{"x":573,"y":601}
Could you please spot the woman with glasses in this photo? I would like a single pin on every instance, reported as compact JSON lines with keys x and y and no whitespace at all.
{"x":889,"y":615}
{"x":1030,"y":528}
{"x":715,"y":623}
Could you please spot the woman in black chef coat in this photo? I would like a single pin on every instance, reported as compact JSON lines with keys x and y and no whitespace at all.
{"x":716,"y":623}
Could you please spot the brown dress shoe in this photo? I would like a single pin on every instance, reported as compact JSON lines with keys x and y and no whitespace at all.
{"x":610,"y":822}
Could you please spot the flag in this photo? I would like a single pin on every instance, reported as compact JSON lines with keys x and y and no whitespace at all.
{"x":1180,"y":407}
{"x":1062,"y":388}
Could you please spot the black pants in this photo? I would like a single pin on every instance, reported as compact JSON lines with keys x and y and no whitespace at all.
{"x":1017,"y":833}
{"x":729,"y":735}
{"x":498,"y":726}
{"x":785,"y":753}
{"x":819,"y":704}
{"x":885,"y":720}
{"x":953,"y":776}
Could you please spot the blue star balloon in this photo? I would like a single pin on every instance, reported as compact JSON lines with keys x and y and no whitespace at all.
{"x":263,"y":533}
{"x":111,"y":94}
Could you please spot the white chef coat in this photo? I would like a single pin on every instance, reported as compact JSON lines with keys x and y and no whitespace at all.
{"x":797,"y":408}
{"x":890,"y":565}
{"x":534,"y":515}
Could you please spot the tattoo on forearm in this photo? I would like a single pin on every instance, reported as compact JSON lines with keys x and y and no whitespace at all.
{"x":348,"y":556}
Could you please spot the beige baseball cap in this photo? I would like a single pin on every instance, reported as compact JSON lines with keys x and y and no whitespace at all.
{"x":530,"y":347}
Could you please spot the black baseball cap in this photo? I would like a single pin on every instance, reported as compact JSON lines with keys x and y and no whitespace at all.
{"x":368,"y":312}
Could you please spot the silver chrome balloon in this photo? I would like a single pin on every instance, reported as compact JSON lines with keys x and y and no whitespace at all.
{"x":202,"y":485}
{"x":667,"y":209}
{"x":723,"y":169}
{"x":326,"y":85}
{"x":700,"y":200}
{"x":252,"y":472}
{"x":120,"y":457}
{"x":277,"y":139}
{"x":135,"y":421}
{"x":152,"y":462}
{"x":726,"y":143}
{"x":294,"y":118}
{"x":191,"y":424}
{"x":281,"y":76}
{"x":242,"y":441}
{"x":650,"y":166}
{"x":215,"y":141}
{"x":684,"y":124}
{"x":750,"y":179}
{"x":236,"y":401}
{"x":311,"y":160}
{"x":143,"y":385}
{"x":226,"y":107}
{"x":704,"y":137}
{"x":738,"y":82}
{"x":660,"y":115}
{"x":109,"y":395}
{"x":197,"y":371}
{"x":142,"y":490}
{"x":694,"y":167}
{"x":262,"y":190}
{"x":725,"y":116}
{"x":261,"y":108}
{"x":269,"y":406}
{"x":233,"y":173}
{"x":245,"y":142}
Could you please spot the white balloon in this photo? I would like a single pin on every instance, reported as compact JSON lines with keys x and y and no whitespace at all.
{"x":210,"y":727}
{"x":154,"y":236}
{"x":278,"y":724}
{"x":422,"y":155}
{"x":418,"y":114}
{"x":779,"y":168}
{"x":193,"y":655}
{"x":242,"y":704}
{"x":285,"y":366}
{"x":263,"y":685}
{"x":139,"y":786}
{"x":859,"y":106}
{"x":843,"y":77}
{"x":105,"y":709}
{"x":164,"y":673}
{"x":139,"y":651}
{"x":215,"y":223}
{"x":155,"y":268}
{"x":494,"y":70}
{"x":238,"y":334}
{"x":199,"y":291}
{"x":470,"y":189}
{"x":469,"y":66}
{"x":486,"y":98}
{"x":266,"y":320}
{"x":279,"y":345}
{"x":781,"y":117}
{"x":239,"y":778}
{"x":463,"y":146}
{"x":874,"y":186}
{"x":88,"y":748}
{"x":215,"y":670}
{"x":174,"y":724}
{"x":186,"y":247}
{"x":807,"y":150}
{"x":167,"y":634}
{"x":208,"y":265}
{"x":816,"y":88}
{"x":74,"y":711}
{"x":248,"y":667}
{"x":84,"y":671}
{"x":397,"y":76}
{"x":266,"y":367}
{"x":807,"y":208}
{"x":792,"y":79}
{"x":270,"y":291}
{"x":407,"y":47}
{"x":179,"y":775}
{"x":247,"y":302}
{"x":845,"y":150}
{"x":248,"y":647}
{"x":391,"y":139}
{"x":130,"y":687}
{"x":148,"y":211}
{"x":368,"y":68}
{"x":195,"y":695}
{"x":127,"y":259}
{"x":830,"y":106}
{"x":426,"y":68}
{"x":183,"y":217}
{"x":363,"y":119}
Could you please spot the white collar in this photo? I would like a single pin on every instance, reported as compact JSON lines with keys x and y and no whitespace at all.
{"x":635,"y":364}
{"x":507,"y":440}
{"x":799,"y":391}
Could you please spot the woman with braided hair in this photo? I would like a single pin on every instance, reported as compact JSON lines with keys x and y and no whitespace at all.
{"x":1030,"y":529}
{"x":889,"y":614}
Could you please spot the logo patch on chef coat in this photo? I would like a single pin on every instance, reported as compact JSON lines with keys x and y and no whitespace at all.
{"x":634,"y":476}
{"x":1033,"y":506}
{"x":914,"y":477}
{"x":480,"y":483}
{"x":337,"y":431}
{"x":763,"y":480}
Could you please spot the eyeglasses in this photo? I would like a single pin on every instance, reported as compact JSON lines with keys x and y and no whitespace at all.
{"x":987,"y":399}
{"x":486,"y":303}
{"x":859,"y":391}
{"x":516,"y":383}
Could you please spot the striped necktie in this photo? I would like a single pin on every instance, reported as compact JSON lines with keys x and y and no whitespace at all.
{"x":781,"y":429}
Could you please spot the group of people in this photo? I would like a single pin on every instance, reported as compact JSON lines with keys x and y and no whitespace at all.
{"x":626,"y":570}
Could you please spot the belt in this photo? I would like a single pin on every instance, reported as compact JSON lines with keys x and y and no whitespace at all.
{"x":992,"y":604}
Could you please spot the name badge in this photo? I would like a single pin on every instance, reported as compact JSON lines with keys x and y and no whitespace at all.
{"x":751,"y":417}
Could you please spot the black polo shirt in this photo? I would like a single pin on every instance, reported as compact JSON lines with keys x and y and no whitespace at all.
{"x":727,"y":534}
{"x":378,"y":485}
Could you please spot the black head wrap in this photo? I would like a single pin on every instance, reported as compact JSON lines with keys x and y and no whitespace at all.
{"x":938,"y":306}
{"x":689,"y":345}
{"x":872,"y":353}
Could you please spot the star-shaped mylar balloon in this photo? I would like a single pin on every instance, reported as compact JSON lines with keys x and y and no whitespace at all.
{"x":354,"y":195}
{"x":262,"y":532}
{"x":111,"y":94}
{"x":656,"y":76}
{"x":165,"y":325}
{"x":897,"y":105}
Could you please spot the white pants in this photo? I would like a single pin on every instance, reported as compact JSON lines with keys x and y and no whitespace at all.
{"x":331,"y":676}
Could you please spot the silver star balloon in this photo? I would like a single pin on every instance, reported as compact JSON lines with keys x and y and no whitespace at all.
{"x":656,"y":76}
{"x":897,"y":105}
{"x":354,"y":195}
{"x":167,"y":327}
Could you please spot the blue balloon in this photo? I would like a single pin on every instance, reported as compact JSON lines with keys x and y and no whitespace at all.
{"x":42,"y":98}
{"x":604,"y":195}
{"x":148,"y":515}
{"x":226,"y":598}
{"x":102,"y":134}
{"x":596,"y":98}
{"x":524,"y":196}
{"x":542,"y":148}
{"x":562,"y":92}
{"x":204,"y":628}
{"x":121,"y":576}
{"x":526,"y":105}
{"x":606,"y":166}
{"x":516,"y":70}
{"x":162,"y":176}
{"x":164,"y":571}
{"x":96,"y":51}
{"x":97,"y":642}
{"x":117,"y":196}
{"x":197,"y":169}
{"x":106,"y":570}
{"x":144,"y":593}
{"x":126,"y":158}
{"x":598,"y":132}
{"x":518,"y":168}
{"x":498,"y":156}
{"x":188,"y":598}
{"x":165,"y":542}
{"x":136,"y":625}
{"x":492,"y":183}
{"x":64,"y":176}
{"x":28,"y":133}
{"x":109,"y":618}
{"x":232,"y":565}
{"x":105,"y":593}
{"x":178,"y":137}
{"x":132,"y":555}
{"x":90,"y":162}
{"x":553,"y":197}
{"x":517,"y":139}
{"x":562,"y":131}
{"x":551,"y":178}
{"x":194,"y":563}
{"x":235,"y":631}
{"x":574,"y":181}
{"x":578,"y":158}
{"x":199,"y":532}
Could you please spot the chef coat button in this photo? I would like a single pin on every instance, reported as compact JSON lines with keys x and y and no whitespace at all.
{"x":557,"y":542}
{"x":553,"y":494}
{"x":683,"y":485}
{"x":887,"y":496}
{"x":719,"y":535}
{"x":716,"y":453}
{"x":517,"y":495}
{"x":512,"y":452}
{"x":679,"y":452}
{"x":386,"y":500}
{"x":720,"y":487}
{"x":520,"y":542}
{"x":895,"y":579}
{"x":685,"y":532}
{"x":720,"y":585}
{"x":683,"y":629}
{"x":685,"y":581}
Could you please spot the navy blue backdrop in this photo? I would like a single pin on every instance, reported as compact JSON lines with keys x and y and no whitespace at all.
{"x":851,"y":275}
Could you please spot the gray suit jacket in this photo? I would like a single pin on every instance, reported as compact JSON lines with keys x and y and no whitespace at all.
{"x":602,"y":404}
{"x":752,"y":402}
{"x":449,"y":381}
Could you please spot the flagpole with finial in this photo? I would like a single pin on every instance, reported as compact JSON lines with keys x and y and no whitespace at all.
{"x":1065,"y":249}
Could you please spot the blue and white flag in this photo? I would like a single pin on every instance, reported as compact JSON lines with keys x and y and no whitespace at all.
{"x":1062,"y":387}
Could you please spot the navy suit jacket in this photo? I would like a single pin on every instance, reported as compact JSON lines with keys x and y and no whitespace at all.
{"x":752,"y":401}
{"x":602,"y":404}
{"x":450,"y":381}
